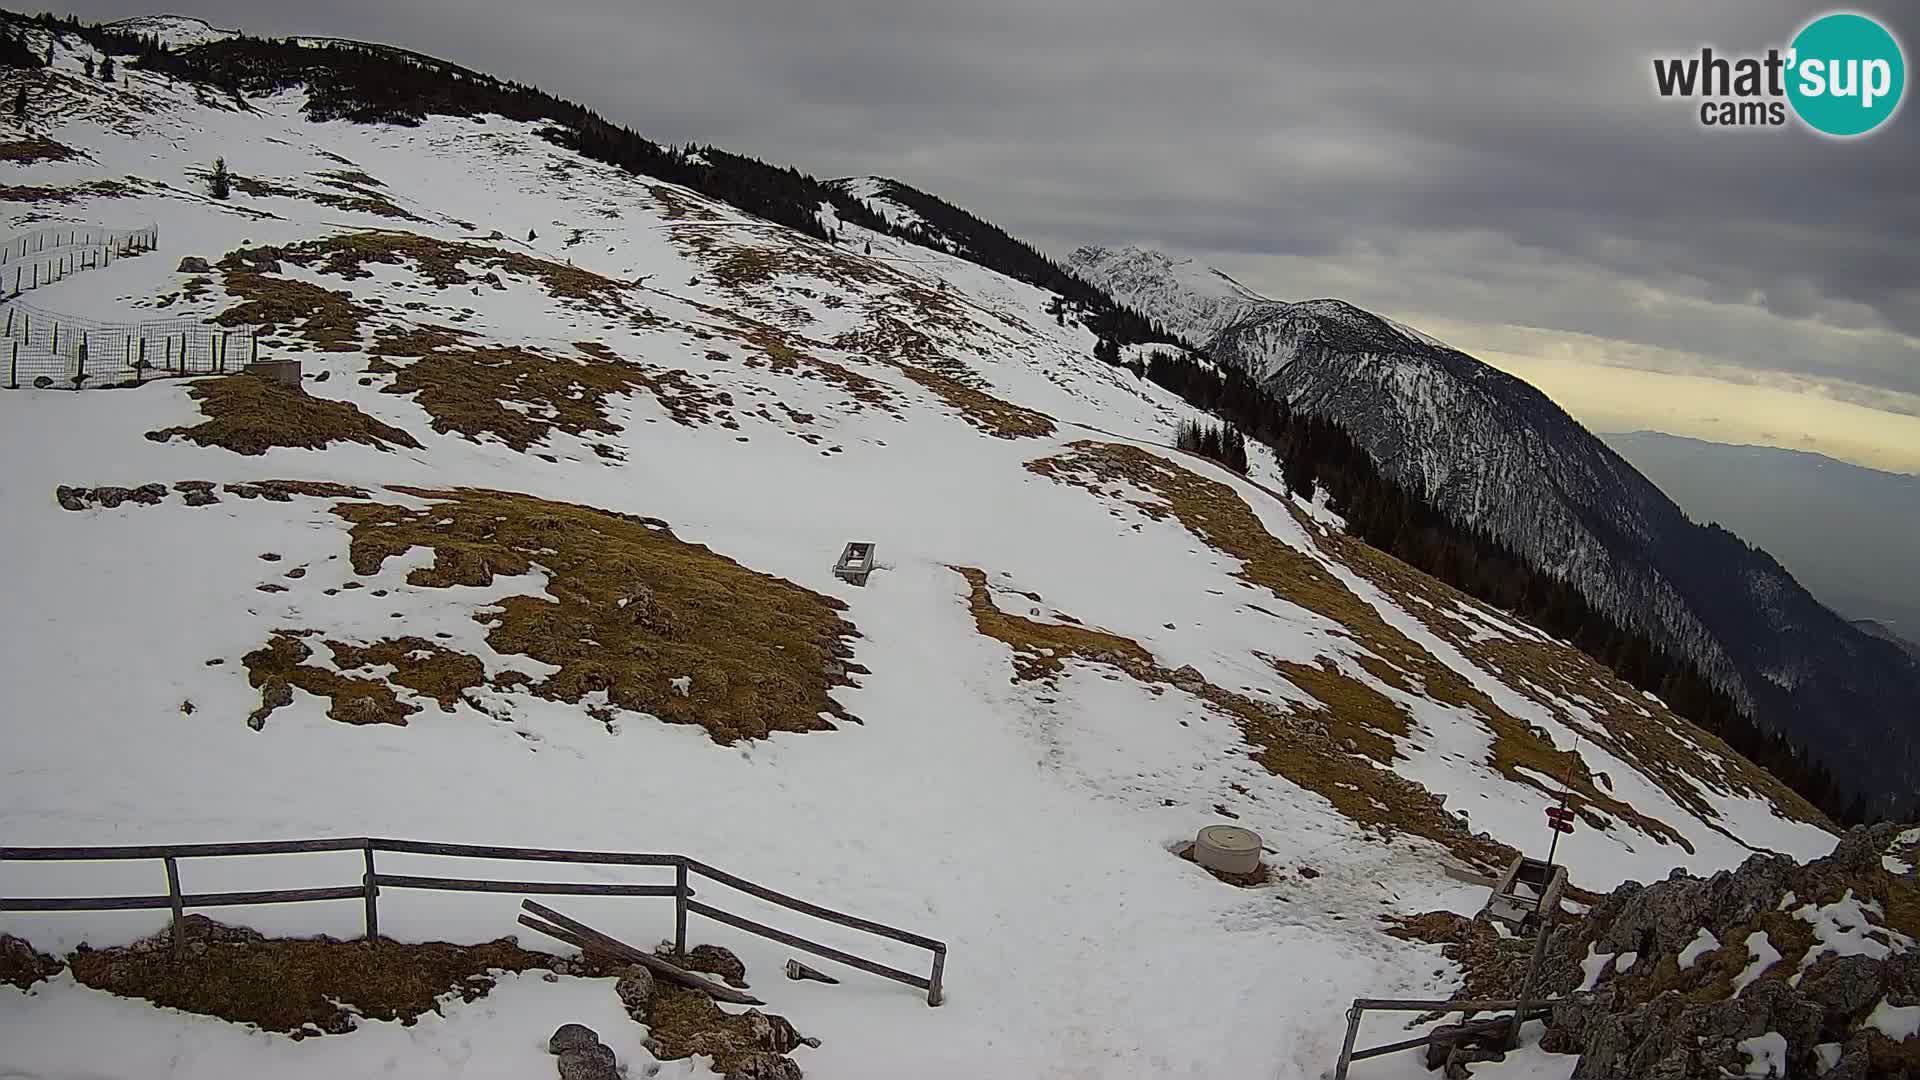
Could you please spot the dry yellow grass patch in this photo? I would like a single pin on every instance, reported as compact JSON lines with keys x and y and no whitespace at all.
{"x":419,"y":665}
{"x":630,"y":609}
{"x":788,"y":352}
{"x":282,"y":663}
{"x":249,"y":415}
{"x":1664,"y":746}
{"x":358,"y":199}
{"x":445,"y":263}
{"x":298,"y":984}
{"x":330,"y":320}
{"x":902,"y":316}
{"x":683,"y":394}
{"x":902,"y":345}
{"x":470,"y":389}
{"x":677,"y":205}
{"x":1214,"y":513}
{"x":35,"y":148}
{"x":1305,"y":755}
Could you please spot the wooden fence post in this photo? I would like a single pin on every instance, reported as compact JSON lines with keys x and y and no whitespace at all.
{"x":934,"y":995}
{"x":373,"y":893}
{"x":13,"y":369}
{"x":9,"y":322}
{"x":680,"y":907}
{"x":255,"y":336}
{"x":179,"y":909}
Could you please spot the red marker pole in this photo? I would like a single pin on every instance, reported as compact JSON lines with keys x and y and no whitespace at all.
{"x":1560,"y":818}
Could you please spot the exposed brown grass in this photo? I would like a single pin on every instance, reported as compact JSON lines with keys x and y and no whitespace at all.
{"x":1487,"y":961}
{"x":21,"y":965}
{"x":678,"y":205}
{"x":1664,"y":746}
{"x":682,"y":1023}
{"x":349,"y":177}
{"x":358,"y":199}
{"x":1215,"y":514}
{"x":631,"y":608}
{"x":903,"y":345}
{"x":35,"y":148}
{"x":444,"y":263}
{"x":281,"y":664}
{"x":419,"y":665}
{"x":788,"y":352}
{"x":30,"y":193}
{"x":466,"y":388}
{"x":683,"y":394}
{"x":298,"y":984}
{"x":329,"y":319}
{"x":250,"y":415}
{"x":1301,"y":752}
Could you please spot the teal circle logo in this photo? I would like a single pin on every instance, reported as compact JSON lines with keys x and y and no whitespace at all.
{"x":1846,"y":74}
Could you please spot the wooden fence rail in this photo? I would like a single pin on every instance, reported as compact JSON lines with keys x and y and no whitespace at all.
{"x":372,"y":881}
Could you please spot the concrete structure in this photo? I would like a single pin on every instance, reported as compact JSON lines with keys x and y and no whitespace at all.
{"x":1228,"y":849}
{"x":284,"y":372}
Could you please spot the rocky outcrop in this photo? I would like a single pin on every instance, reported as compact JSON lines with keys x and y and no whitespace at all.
{"x":1773,"y":966}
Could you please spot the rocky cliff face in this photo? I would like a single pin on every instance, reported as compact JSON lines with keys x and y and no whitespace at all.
{"x":1495,"y":454}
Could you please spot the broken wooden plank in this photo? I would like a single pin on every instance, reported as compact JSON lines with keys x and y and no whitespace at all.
{"x":595,"y":941}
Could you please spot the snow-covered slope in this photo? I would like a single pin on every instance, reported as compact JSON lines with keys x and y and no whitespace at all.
{"x":177,"y":31}
{"x":552,"y":565}
{"x":1494,"y":454}
{"x":1195,"y":299}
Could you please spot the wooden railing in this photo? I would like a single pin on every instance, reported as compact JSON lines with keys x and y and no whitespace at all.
{"x":372,"y":881}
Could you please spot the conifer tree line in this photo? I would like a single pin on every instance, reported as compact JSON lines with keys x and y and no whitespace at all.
{"x":1215,"y":442}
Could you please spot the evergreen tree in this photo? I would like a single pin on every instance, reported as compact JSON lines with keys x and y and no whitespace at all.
{"x":220,"y":184}
{"x":106,"y":68}
{"x":49,"y":54}
{"x":89,"y":67}
{"x":20,"y":104}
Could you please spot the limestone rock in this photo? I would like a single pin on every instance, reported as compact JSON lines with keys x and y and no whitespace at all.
{"x":635,"y":990}
{"x":572,"y":1037}
{"x":594,"y":1062}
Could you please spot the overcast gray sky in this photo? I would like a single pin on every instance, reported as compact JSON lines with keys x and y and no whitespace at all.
{"x":1501,"y":171}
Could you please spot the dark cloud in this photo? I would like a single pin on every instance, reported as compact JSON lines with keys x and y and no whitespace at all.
{"x":1501,"y":162}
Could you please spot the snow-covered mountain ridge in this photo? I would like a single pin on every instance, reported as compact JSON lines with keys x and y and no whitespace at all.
{"x":542,"y":554}
{"x":1495,"y":455}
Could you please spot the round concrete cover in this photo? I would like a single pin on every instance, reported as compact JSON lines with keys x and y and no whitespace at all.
{"x":1230,"y":838}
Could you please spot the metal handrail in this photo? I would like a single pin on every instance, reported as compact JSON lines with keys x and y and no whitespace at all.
{"x":372,"y":881}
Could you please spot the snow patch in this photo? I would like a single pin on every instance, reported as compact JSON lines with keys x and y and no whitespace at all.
{"x":1704,"y":942}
